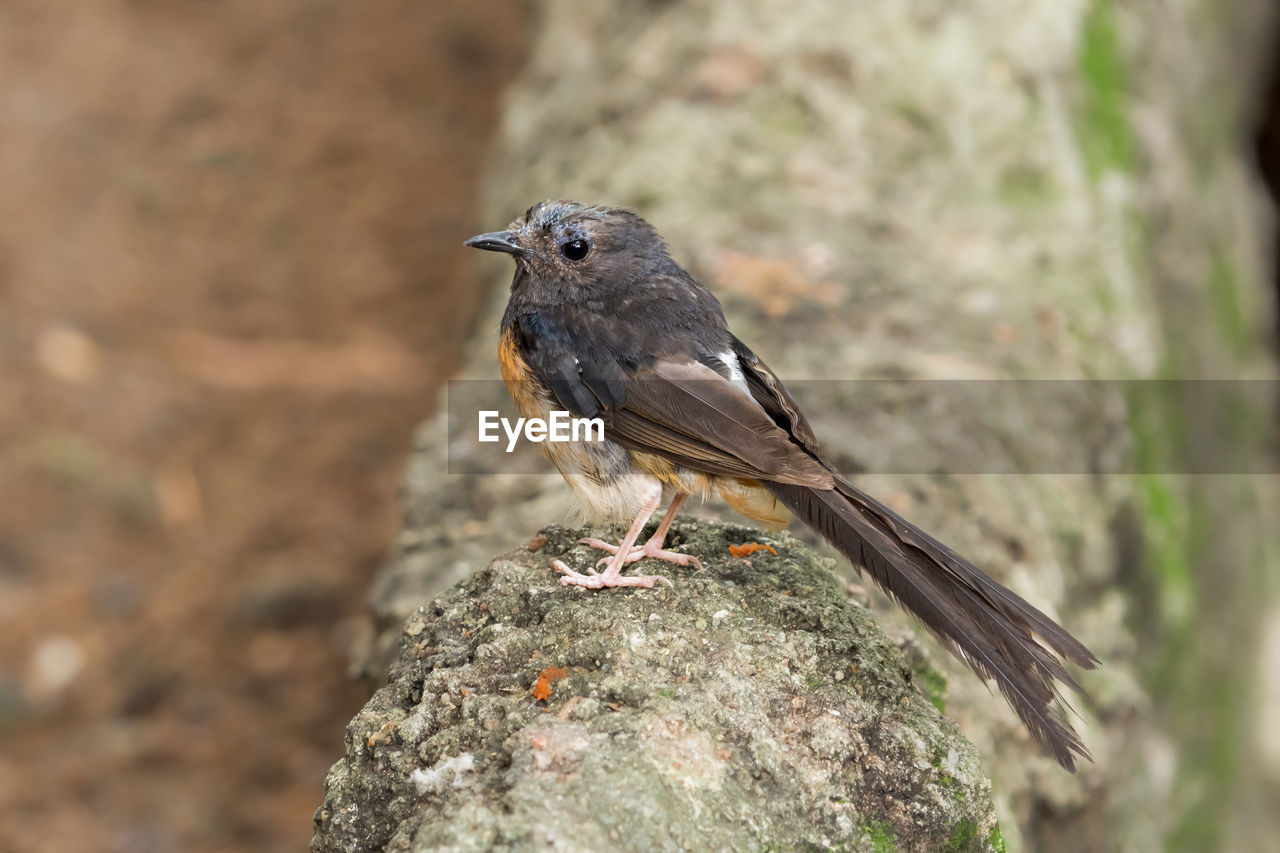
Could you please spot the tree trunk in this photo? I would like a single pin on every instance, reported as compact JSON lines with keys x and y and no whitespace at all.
{"x":928,"y":190}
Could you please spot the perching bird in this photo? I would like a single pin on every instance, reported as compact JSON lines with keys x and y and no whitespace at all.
{"x":603,"y":323}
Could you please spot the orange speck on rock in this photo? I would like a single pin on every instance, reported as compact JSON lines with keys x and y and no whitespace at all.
{"x":542,"y":687}
{"x":748,"y":548}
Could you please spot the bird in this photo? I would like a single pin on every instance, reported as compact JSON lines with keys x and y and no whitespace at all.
{"x":603,"y":323}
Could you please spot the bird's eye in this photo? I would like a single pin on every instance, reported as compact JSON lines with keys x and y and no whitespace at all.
{"x":576,"y":250}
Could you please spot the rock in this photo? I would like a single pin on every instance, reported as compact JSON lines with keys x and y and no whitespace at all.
{"x":754,"y":705}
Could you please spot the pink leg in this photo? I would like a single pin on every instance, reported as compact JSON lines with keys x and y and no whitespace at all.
{"x":612,"y":576}
{"x":653,"y":548}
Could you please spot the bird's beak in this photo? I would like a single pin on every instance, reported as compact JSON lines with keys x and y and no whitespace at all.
{"x":496,"y":241}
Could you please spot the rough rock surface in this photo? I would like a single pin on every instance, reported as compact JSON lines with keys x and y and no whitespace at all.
{"x":754,"y":706}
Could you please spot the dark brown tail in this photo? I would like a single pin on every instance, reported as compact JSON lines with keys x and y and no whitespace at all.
{"x":983,"y":624}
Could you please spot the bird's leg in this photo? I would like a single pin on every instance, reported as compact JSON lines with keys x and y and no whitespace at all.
{"x":653,"y":548}
{"x":612,"y":576}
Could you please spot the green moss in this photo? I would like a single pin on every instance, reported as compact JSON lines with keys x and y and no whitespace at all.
{"x":952,"y":785}
{"x":1103,"y":126}
{"x":1154,"y":422}
{"x":1199,"y":697}
{"x":963,"y":837}
{"x":996,"y":840}
{"x":880,"y":835}
{"x":1166,"y":519}
{"x":933,"y":684}
{"x":1225,"y":292}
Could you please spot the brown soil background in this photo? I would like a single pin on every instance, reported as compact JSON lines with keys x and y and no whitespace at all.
{"x":230,"y":277}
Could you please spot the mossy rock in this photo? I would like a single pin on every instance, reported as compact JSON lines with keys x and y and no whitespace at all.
{"x":755,"y":705}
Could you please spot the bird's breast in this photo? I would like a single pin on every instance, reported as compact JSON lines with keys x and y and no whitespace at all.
{"x":602,"y":474}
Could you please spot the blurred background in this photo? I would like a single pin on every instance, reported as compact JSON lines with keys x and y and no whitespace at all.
{"x":231,"y":283}
{"x":230,"y":277}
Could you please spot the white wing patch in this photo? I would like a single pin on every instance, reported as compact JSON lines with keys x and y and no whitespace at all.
{"x":736,"y":376}
{"x":729,"y":360}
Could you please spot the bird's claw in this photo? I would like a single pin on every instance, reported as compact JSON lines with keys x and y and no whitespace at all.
{"x":649,"y":550}
{"x":601,"y":580}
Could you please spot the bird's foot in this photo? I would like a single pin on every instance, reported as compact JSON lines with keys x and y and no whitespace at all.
{"x":651,"y":550}
{"x":610,"y":577}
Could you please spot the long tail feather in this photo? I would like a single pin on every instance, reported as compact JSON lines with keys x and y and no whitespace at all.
{"x":987,"y":626}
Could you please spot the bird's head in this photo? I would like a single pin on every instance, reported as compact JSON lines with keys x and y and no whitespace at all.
{"x":575,"y":244}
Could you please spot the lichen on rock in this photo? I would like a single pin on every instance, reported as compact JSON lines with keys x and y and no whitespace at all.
{"x":754,"y":706}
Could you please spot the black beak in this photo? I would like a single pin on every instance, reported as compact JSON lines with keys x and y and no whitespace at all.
{"x":496,"y":241}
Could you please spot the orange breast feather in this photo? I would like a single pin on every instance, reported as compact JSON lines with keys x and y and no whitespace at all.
{"x":525,"y":392}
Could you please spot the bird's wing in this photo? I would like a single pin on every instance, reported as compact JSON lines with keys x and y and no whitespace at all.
{"x":681,"y":410}
{"x":767,"y":390}
{"x":686,"y":412}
